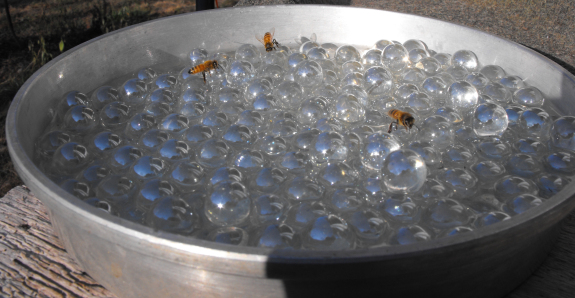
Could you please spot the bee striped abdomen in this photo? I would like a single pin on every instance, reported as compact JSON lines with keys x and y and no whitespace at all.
{"x":197,"y":69}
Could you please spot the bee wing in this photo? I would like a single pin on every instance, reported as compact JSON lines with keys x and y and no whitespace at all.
{"x":272,"y":31}
{"x":313,"y":37}
{"x":298,"y":40}
{"x":260,"y":38}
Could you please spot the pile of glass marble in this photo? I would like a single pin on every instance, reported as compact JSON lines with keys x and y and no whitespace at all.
{"x":289,"y":149}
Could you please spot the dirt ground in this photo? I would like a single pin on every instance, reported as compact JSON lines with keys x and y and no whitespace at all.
{"x":42,"y":27}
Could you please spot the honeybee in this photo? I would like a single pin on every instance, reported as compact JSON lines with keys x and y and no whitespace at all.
{"x":268,"y":40}
{"x":207,"y":66}
{"x":401,"y":118}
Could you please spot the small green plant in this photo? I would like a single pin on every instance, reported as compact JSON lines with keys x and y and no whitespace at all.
{"x":41,"y":56}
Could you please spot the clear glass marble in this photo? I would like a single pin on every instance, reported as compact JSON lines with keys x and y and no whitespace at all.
{"x":513,"y":83}
{"x":114,"y":115}
{"x":239,"y":73}
{"x":81,"y":119}
{"x":404,"y":171}
{"x":430,"y":65}
{"x":462,"y":96}
{"x":346,"y":108}
{"x":490,"y":119}
{"x":410,"y":234}
{"x":329,"y":232}
{"x":293,"y":148}
{"x":103,"y":96}
{"x":229,"y":235}
{"x":435,"y":87}
{"x":278,"y":236}
{"x":562,"y":133}
{"x":395,"y":58}
{"x":535,"y":123}
{"x":493,"y":72}
{"x":346,"y":53}
{"x":228,"y":204}
{"x":497,"y":93}
{"x":290,"y":94}
{"x":70,"y":158}
{"x":465,"y":58}
{"x":72,"y":99}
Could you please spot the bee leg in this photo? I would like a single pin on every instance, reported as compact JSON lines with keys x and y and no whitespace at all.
{"x":390,"y":127}
{"x":204,"y":74}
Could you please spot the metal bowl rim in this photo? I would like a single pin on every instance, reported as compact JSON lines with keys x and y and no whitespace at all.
{"x":197,"y":246}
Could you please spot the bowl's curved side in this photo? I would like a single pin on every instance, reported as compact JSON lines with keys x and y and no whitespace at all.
{"x":134,"y":261}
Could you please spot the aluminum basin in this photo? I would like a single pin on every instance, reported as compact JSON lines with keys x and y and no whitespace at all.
{"x":134,"y":261}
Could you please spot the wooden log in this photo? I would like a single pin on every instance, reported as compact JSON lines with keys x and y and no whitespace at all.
{"x":33,"y":262}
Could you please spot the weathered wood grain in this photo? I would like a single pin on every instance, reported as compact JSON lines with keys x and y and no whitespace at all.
{"x":33,"y":262}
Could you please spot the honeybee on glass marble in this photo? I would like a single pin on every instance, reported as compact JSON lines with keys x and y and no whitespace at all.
{"x":268,"y":40}
{"x":207,"y":66}
{"x":401,"y":118}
